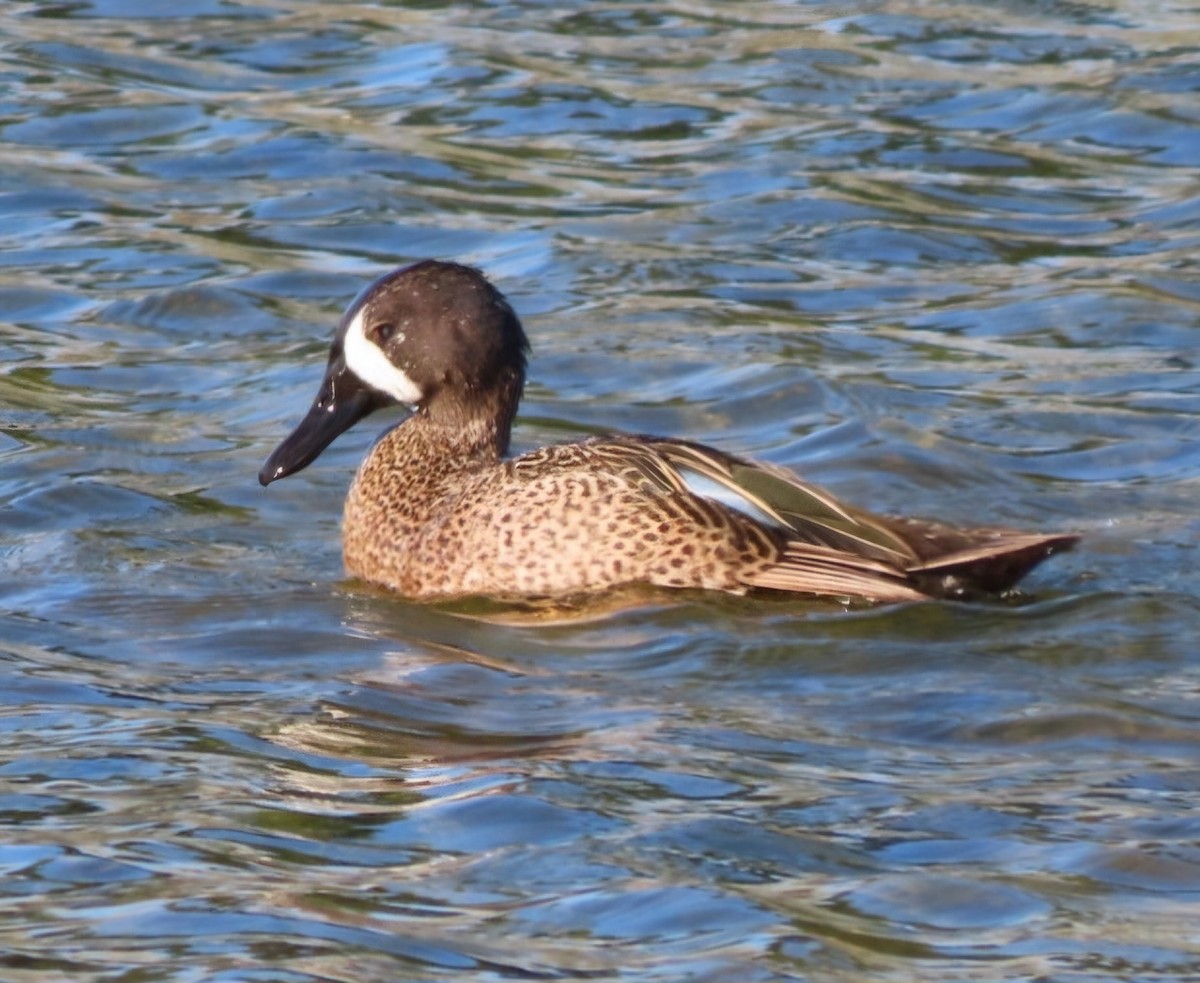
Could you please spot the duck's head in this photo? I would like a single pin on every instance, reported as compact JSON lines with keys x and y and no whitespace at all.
{"x":436,"y":336}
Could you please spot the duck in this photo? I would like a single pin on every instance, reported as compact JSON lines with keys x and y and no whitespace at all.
{"x":439,"y":510}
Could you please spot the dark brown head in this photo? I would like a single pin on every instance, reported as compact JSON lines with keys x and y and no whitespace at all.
{"x":436,"y":336}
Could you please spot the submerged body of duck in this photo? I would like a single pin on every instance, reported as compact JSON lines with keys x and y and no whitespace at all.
{"x":436,"y":510}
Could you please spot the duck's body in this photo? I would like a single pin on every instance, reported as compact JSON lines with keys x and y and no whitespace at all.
{"x":436,"y":510}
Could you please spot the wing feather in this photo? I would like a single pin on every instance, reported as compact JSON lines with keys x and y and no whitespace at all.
{"x":806,"y":512}
{"x":818,"y":570}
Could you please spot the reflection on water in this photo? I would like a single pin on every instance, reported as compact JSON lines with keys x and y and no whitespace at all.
{"x":941,"y":260}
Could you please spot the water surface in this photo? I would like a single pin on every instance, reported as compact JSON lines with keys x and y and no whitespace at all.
{"x":939,"y":257}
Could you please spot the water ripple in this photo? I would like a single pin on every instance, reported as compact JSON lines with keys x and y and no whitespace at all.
{"x":940,"y":260}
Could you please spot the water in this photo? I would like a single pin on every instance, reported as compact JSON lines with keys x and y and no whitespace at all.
{"x":941,"y":258}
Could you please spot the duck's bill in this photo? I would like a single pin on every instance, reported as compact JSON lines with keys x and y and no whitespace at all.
{"x":343,"y":400}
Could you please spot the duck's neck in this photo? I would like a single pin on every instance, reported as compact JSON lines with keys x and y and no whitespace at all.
{"x":483,"y":420}
{"x":471,"y":441}
{"x":463,"y":432}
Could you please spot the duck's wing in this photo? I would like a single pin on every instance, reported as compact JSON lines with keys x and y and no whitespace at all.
{"x":806,"y":513}
{"x":832,"y":547}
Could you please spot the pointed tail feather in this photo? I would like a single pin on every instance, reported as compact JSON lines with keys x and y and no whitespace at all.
{"x":991,"y":566}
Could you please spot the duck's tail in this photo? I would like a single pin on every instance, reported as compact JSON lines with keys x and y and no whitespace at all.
{"x":981,"y":562}
{"x":991,"y":561}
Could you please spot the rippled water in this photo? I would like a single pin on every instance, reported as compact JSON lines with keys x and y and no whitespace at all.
{"x":939,"y":257}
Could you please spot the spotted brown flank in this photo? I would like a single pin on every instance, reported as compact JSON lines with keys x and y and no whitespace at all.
{"x":436,"y":510}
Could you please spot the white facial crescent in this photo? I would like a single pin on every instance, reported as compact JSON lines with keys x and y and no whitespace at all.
{"x":367,"y":361}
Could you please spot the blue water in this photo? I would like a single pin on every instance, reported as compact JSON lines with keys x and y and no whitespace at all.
{"x":939,"y":258}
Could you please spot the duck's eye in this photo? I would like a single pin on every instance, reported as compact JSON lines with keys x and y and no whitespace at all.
{"x":382,"y":332}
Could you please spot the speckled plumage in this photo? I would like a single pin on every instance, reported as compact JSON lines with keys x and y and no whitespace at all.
{"x":437,"y":511}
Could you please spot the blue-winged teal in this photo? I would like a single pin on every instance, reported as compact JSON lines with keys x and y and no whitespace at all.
{"x":436,"y":510}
